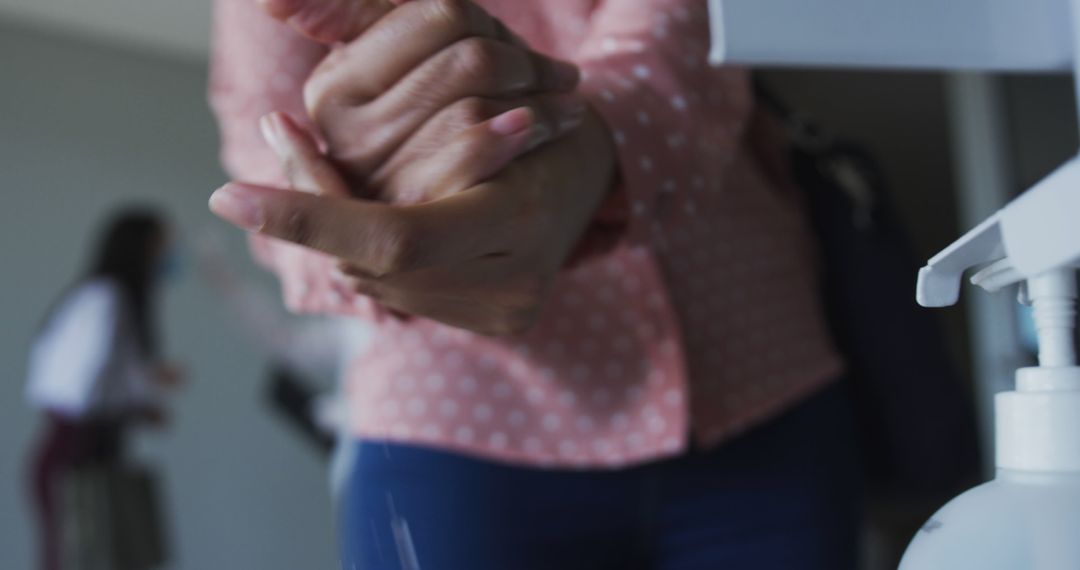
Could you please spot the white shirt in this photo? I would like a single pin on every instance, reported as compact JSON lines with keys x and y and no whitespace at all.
{"x":87,"y":360}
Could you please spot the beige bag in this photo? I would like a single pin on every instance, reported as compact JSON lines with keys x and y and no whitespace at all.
{"x":111,"y":519}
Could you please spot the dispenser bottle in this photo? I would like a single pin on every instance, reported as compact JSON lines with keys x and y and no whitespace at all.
{"x":1028,"y":516}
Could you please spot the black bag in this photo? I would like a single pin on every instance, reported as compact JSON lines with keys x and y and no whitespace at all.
{"x":292,"y":397}
{"x":914,"y":414}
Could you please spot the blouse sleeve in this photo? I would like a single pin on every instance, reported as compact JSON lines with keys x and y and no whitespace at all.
{"x":673,"y":119}
{"x":259,"y":65}
{"x":69,"y":360}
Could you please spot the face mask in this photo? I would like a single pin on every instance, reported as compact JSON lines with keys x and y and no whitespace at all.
{"x":170,"y":265}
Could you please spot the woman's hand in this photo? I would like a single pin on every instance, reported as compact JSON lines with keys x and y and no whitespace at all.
{"x":329,"y":21}
{"x":424,"y":126}
{"x":482,"y":258}
{"x":413,"y":78}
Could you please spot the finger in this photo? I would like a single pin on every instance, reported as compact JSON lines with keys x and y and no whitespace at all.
{"x":471,"y":68}
{"x":370,"y":68}
{"x":396,"y":44}
{"x":490,"y":295}
{"x":483,"y":274}
{"x":381,"y":238}
{"x":503,"y":67}
{"x":305,"y":166}
{"x":329,"y":21}
{"x":485,"y":149}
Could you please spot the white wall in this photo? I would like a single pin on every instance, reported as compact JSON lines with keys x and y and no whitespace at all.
{"x":81,"y":130}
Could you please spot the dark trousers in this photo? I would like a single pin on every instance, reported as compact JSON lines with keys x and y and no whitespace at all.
{"x":785,"y":496}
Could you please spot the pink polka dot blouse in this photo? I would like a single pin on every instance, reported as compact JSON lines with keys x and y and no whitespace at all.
{"x":701,"y":321}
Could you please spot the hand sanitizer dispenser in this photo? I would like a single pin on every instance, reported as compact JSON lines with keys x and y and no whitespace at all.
{"x":1028,"y":517}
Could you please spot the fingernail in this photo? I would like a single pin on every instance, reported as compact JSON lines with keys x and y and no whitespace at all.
{"x":238,"y":205}
{"x":512,"y":122}
{"x":281,"y":8}
{"x":271,"y":132}
{"x":566,"y":74}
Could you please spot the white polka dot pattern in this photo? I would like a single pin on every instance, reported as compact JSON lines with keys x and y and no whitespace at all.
{"x":705,"y":309}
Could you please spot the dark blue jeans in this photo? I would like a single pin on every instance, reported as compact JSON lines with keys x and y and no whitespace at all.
{"x":784,"y":496}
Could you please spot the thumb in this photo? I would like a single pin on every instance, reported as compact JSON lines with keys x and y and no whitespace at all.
{"x":329,"y":21}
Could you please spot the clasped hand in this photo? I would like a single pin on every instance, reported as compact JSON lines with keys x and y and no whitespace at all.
{"x":457,"y":168}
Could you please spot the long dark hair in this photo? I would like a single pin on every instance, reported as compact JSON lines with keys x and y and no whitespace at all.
{"x":128,"y":252}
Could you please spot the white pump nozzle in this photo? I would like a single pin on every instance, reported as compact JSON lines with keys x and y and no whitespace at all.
{"x":1052,"y":295}
{"x":1035,"y":233}
{"x":1034,"y":241}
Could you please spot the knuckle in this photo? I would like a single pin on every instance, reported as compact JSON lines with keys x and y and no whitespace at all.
{"x":317,"y":100}
{"x":329,"y":87}
{"x":296,"y":226}
{"x":328,"y":22}
{"x":471,"y":111}
{"x":319,"y":25}
{"x":475,"y":59}
{"x":358,"y":141}
{"x":451,"y":13}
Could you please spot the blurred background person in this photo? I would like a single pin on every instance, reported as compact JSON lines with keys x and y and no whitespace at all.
{"x":96,"y":372}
